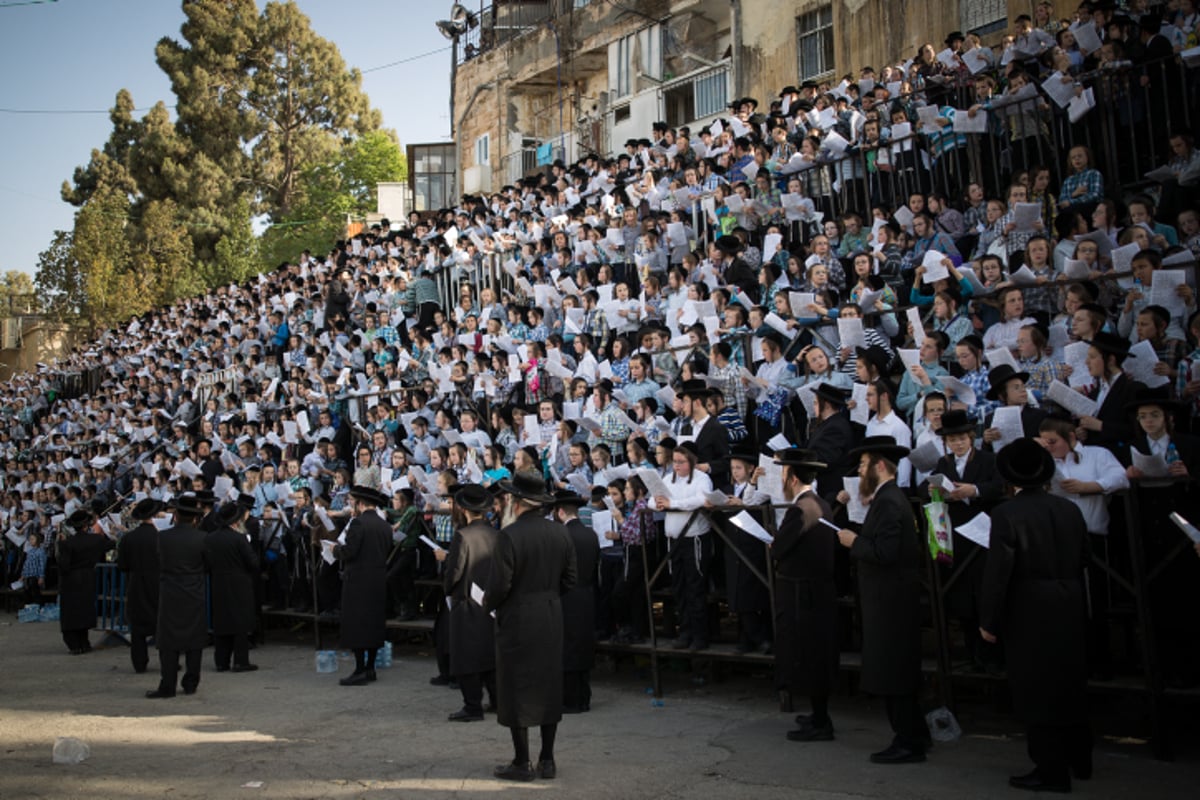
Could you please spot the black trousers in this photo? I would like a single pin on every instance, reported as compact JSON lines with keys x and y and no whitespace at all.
{"x":236,"y":645}
{"x":690,"y":560}
{"x":139,"y":648}
{"x":907,"y":721}
{"x":168,"y":666}
{"x":76,"y":639}
{"x":1055,"y":749}
{"x":629,"y":597}
{"x":577,"y":690}
{"x":610,"y":573}
{"x":472,"y":686}
{"x":755,"y":627}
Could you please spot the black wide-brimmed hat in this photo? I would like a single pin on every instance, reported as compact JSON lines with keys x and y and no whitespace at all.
{"x":831,"y":394}
{"x":527,"y":486}
{"x":368,"y":495}
{"x":230,"y":513}
{"x":1153,"y":397}
{"x":729,"y":244}
{"x":745,"y":453}
{"x":880,"y":445}
{"x":1000,"y":376}
{"x":474,"y":497}
{"x":954,"y":36}
{"x":186,"y":503}
{"x":697,"y":387}
{"x":1025,"y":463}
{"x":80,"y":519}
{"x":1111,"y":344}
{"x":875,"y":355}
{"x":800,"y":458}
{"x":565,"y":497}
{"x":956,"y":420}
{"x":146,"y":508}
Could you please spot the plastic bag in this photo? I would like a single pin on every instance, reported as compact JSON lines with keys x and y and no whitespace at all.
{"x":69,"y":750}
{"x":941,"y":536}
{"x":943,"y":727}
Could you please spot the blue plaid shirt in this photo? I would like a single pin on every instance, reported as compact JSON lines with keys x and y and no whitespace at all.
{"x":1091,"y":180}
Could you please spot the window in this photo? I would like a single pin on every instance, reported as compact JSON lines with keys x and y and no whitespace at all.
{"x":483,"y":150}
{"x":814,"y":32}
{"x":636,"y":55}
{"x":984,"y":16}
{"x":432,"y":175}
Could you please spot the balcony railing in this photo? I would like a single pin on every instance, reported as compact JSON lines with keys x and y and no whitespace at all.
{"x":500,"y":23}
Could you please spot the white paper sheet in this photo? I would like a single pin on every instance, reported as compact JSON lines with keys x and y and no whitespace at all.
{"x":1140,"y":365}
{"x":1078,"y":404}
{"x":860,"y":413}
{"x":1007,"y":420}
{"x":751,"y":526}
{"x":978,"y":529}
{"x":856,"y":510}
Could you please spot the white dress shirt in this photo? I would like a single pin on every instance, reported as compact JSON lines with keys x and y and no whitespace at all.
{"x":893,"y":426}
{"x":1094,"y":464}
{"x":686,"y":496}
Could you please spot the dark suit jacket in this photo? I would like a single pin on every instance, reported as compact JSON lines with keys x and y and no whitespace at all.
{"x":832,"y":439}
{"x":712,"y":448}
{"x":1116,"y":423}
{"x":472,"y":631}
{"x":234,"y":568}
{"x":579,"y":602}
{"x":182,"y":564}
{"x":137,"y":554}
{"x":981,"y":472}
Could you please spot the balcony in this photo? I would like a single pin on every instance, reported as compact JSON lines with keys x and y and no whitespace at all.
{"x":501,"y":22}
{"x":697,"y":96}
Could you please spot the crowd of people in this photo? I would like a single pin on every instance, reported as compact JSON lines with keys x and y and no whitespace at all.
{"x":643,"y":355}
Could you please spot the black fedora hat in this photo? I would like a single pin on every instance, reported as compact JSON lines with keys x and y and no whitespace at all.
{"x":788,"y":90}
{"x":954,"y":36}
{"x":831,"y":394}
{"x":80,"y":519}
{"x":146,"y":508}
{"x":186,"y":503}
{"x":745,"y":454}
{"x":1025,"y":463}
{"x":527,"y":485}
{"x":565,"y":497}
{"x":956,"y":420}
{"x":880,"y":445}
{"x":230,"y":513}
{"x":1000,"y":376}
{"x":696,"y":387}
{"x":874,"y":355}
{"x":729,"y":244}
{"x":474,"y":497}
{"x":368,"y":495}
{"x":1111,"y":344}
{"x":801,"y":458}
{"x":1153,"y":397}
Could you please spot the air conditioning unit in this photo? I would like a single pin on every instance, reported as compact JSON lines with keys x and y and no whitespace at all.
{"x":10,"y":334}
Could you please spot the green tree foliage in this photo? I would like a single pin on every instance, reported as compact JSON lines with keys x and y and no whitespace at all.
{"x":269,"y":123}
{"x":17,"y":294}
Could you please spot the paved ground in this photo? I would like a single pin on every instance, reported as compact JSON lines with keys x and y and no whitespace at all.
{"x":303,"y":736}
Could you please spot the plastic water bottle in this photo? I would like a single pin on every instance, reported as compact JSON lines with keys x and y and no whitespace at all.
{"x":327,"y":661}
{"x":1172,"y":454}
{"x":383,"y":656}
{"x":69,"y":750}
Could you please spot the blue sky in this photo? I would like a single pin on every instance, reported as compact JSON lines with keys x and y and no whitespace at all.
{"x":76,"y":55}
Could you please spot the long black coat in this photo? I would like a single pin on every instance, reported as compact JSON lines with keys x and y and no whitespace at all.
{"x":962,"y":598}
{"x":712,"y":448}
{"x":234,"y":568}
{"x":534,"y":565}
{"x":472,"y":634}
{"x":832,"y":439}
{"x":364,"y":581}
{"x":806,"y":629}
{"x":1034,"y":601}
{"x":137,"y":555}
{"x":77,"y":557}
{"x":744,"y":592}
{"x":579,"y":602}
{"x":888,"y":554}
{"x":182,"y":623}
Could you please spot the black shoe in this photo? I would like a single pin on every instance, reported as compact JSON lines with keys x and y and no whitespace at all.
{"x":698,"y":646}
{"x":1034,"y":782}
{"x":490,"y":708}
{"x":803,"y":719}
{"x":811,"y":733}
{"x":155,"y":694}
{"x":682,"y":643}
{"x":139,"y":670}
{"x":462,"y":715}
{"x":371,"y":676}
{"x":513,"y":771}
{"x":453,"y":685}
{"x":573,"y":709}
{"x":355,"y":679}
{"x":546,"y":769}
{"x":245,"y":667}
{"x":440,"y":680}
{"x":223,"y":669}
{"x":189,"y":691}
{"x":897,"y":755}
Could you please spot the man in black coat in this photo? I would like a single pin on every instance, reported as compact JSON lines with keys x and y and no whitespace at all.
{"x":533,"y":566}
{"x":1112,"y":426}
{"x":137,"y":556}
{"x":472,"y":633}
{"x":368,"y":538}
{"x":806,"y":630}
{"x":234,"y":568}
{"x":710,"y":439}
{"x":77,"y":555}
{"x":1034,"y":601}
{"x":830,"y":438}
{"x":734,"y":269}
{"x":578,"y":605}
{"x":182,"y":627}
{"x":888,"y":554}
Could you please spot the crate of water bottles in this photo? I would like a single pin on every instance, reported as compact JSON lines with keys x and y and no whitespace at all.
{"x":48,"y":613}
{"x":30,"y":613}
{"x":383,"y":656}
